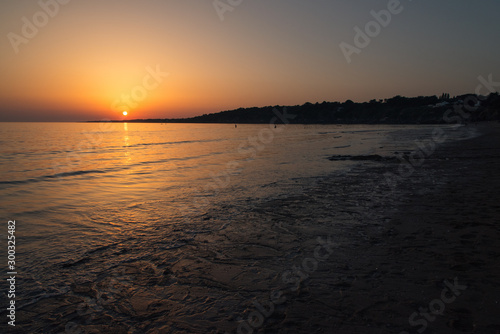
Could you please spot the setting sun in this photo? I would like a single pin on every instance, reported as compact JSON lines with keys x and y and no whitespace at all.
{"x":125,"y":113}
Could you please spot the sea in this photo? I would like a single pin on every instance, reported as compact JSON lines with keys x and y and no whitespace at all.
{"x":76,"y":189}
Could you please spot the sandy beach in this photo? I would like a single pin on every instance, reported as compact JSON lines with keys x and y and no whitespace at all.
{"x":352,"y":254}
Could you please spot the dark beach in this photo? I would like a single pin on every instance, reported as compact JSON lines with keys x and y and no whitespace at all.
{"x":397,"y":249}
{"x":352,"y":254}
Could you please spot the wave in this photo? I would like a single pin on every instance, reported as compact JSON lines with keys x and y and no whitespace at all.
{"x":53,"y":176}
{"x":173,"y":143}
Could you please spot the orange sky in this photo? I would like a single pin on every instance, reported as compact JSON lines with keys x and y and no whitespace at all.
{"x":92,"y":54}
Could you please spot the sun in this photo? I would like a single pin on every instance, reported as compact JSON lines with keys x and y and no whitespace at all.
{"x":125,"y":113}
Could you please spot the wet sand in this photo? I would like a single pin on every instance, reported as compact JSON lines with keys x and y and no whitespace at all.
{"x":352,"y":254}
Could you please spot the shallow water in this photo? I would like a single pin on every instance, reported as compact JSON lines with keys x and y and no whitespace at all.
{"x":104,"y":194}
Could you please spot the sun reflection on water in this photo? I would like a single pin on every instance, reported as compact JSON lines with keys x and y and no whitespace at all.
{"x":126,"y":143}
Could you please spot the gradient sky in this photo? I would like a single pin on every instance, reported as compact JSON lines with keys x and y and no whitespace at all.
{"x":281,"y":52}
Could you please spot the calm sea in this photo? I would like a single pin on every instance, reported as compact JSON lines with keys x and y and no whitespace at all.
{"x":77,"y":188}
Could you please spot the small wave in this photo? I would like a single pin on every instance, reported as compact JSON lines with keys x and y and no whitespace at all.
{"x":173,"y":143}
{"x":80,"y":172}
{"x":53,"y":176}
{"x":364,"y":131}
{"x":374,"y":157}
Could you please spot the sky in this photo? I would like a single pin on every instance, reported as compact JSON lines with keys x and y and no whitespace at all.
{"x":76,"y":60}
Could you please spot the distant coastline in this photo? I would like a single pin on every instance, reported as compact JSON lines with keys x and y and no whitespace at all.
{"x":396,"y":110}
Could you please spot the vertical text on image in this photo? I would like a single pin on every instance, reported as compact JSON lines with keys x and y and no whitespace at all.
{"x":11,"y":271}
